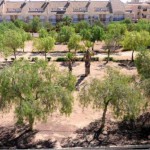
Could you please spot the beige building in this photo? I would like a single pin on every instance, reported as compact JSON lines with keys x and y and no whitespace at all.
{"x":54,"y":11}
{"x":137,"y":10}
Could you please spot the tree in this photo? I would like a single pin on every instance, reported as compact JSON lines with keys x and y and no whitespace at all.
{"x":12,"y":40}
{"x":134,"y":41}
{"x":97,"y":34}
{"x":43,"y":33}
{"x":35,"y":24}
{"x":143,"y":64}
{"x":109,"y":45}
{"x":86,"y":38}
{"x":81,"y":25}
{"x":45,"y":44}
{"x":67,"y":21}
{"x":74,"y":42}
{"x":116,"y":91}
{"x":143,"y":67}
{"x":87,"y":57}
{"x":25,"y":37}
{"x":70,"y":57}
{"x":65,"y":33}
{"x":36,"y":89}
{"x":117,"y":31}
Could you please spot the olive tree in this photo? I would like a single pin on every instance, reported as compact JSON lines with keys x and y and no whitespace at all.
{"x":45,"y":44}
{"x":116,"y":91}
{"x":97,"y":34}
{"x":12,"y":40}
{"x":135,"y":40}
{"x":143,"y":67}
{"x":35,"y":90}
{"x":65,"y":33}
{"x":73,"y":44}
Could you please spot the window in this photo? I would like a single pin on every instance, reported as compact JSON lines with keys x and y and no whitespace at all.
{"x":98,"y":9}
{"x":81,"y":9}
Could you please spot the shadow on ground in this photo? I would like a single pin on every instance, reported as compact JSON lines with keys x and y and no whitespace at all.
{"x":21,"y":137}
{"x":121,"y":133}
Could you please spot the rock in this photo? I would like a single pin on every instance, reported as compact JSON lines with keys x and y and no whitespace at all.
{"x":105,"y":132}
{"x":57,"y":145}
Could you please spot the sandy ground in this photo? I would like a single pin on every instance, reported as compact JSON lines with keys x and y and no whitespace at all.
{"x":58,"y":126}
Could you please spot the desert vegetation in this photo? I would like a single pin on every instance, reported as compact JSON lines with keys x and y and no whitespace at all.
{"x":48,"y":71}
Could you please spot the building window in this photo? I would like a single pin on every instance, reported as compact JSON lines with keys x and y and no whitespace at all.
{"x":104,"y":9}
{"x":81,"y":9}
{"x":59,"y":9}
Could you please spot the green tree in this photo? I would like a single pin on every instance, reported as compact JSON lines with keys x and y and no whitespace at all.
{"x":74,"y":42}
{"x":45,"y":44}
{"x":65,"y":33}
{"x":116,"y":91}
{"x":97,"y":34}
{"x":117,"y":31}
{"x":134,"y":41}
{"x":70,"y":57}
{"x":12,"y":40}
{"x":67,"y":21}
{"x":81,"y":25}
{"x":86,"y":38}
{"x":43,"y":33}
{"x":35,"y":24}
{"x":36,"y":90}
{"x":109,"y":45}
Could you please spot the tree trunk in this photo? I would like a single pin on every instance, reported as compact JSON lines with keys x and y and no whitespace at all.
{"x":93,"y":47}
{"x":45,"y":55}
{"x":108,"y":56}
{"x":70,"y":65}
{"x":100,"y":130}
{"x":87,"y":62}
{"x":31,"y":121}
{"x":15,"y":53}
{"x":132,"y":58}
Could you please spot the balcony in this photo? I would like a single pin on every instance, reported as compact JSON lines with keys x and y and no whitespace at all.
{"x":37,"y":10}
{"x":13,"y":10}
{"x":59,"y":9}
{"x":101,"y":9}
{"x":83,"y":9}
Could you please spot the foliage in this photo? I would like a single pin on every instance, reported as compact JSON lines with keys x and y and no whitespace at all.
{"x":143,"y":64}
{"x":81,"y":25}
{"x":67,"y":21}
{"x":116,"y":91}
{"x":43,"y":33}
{"x":35,"y":24}
{"x":65,"y":33}
{"x":45,"y":44}
{"x":74,"y":42}
{"x":97,"y":33}
{"x":36,"y":89}
{"x":12,"y":40}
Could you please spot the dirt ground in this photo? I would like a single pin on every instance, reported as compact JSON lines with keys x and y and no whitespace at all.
{"x":58,"y":127}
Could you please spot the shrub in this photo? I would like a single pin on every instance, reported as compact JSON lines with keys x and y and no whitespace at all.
{"x":12,"y":59}
{"x":34,"y":58}
{"x":110,"y":59}
{"x":61,"y":59}
{"x":21,"y":58}
{"x":48,"y":58}
{"x":64,"y":59}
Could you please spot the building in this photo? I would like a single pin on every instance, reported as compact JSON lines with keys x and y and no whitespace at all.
{"x":54,"y":11}
{"x":136,"y":10}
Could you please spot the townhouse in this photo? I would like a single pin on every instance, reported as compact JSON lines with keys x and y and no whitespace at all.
{"x":54,"y":11}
